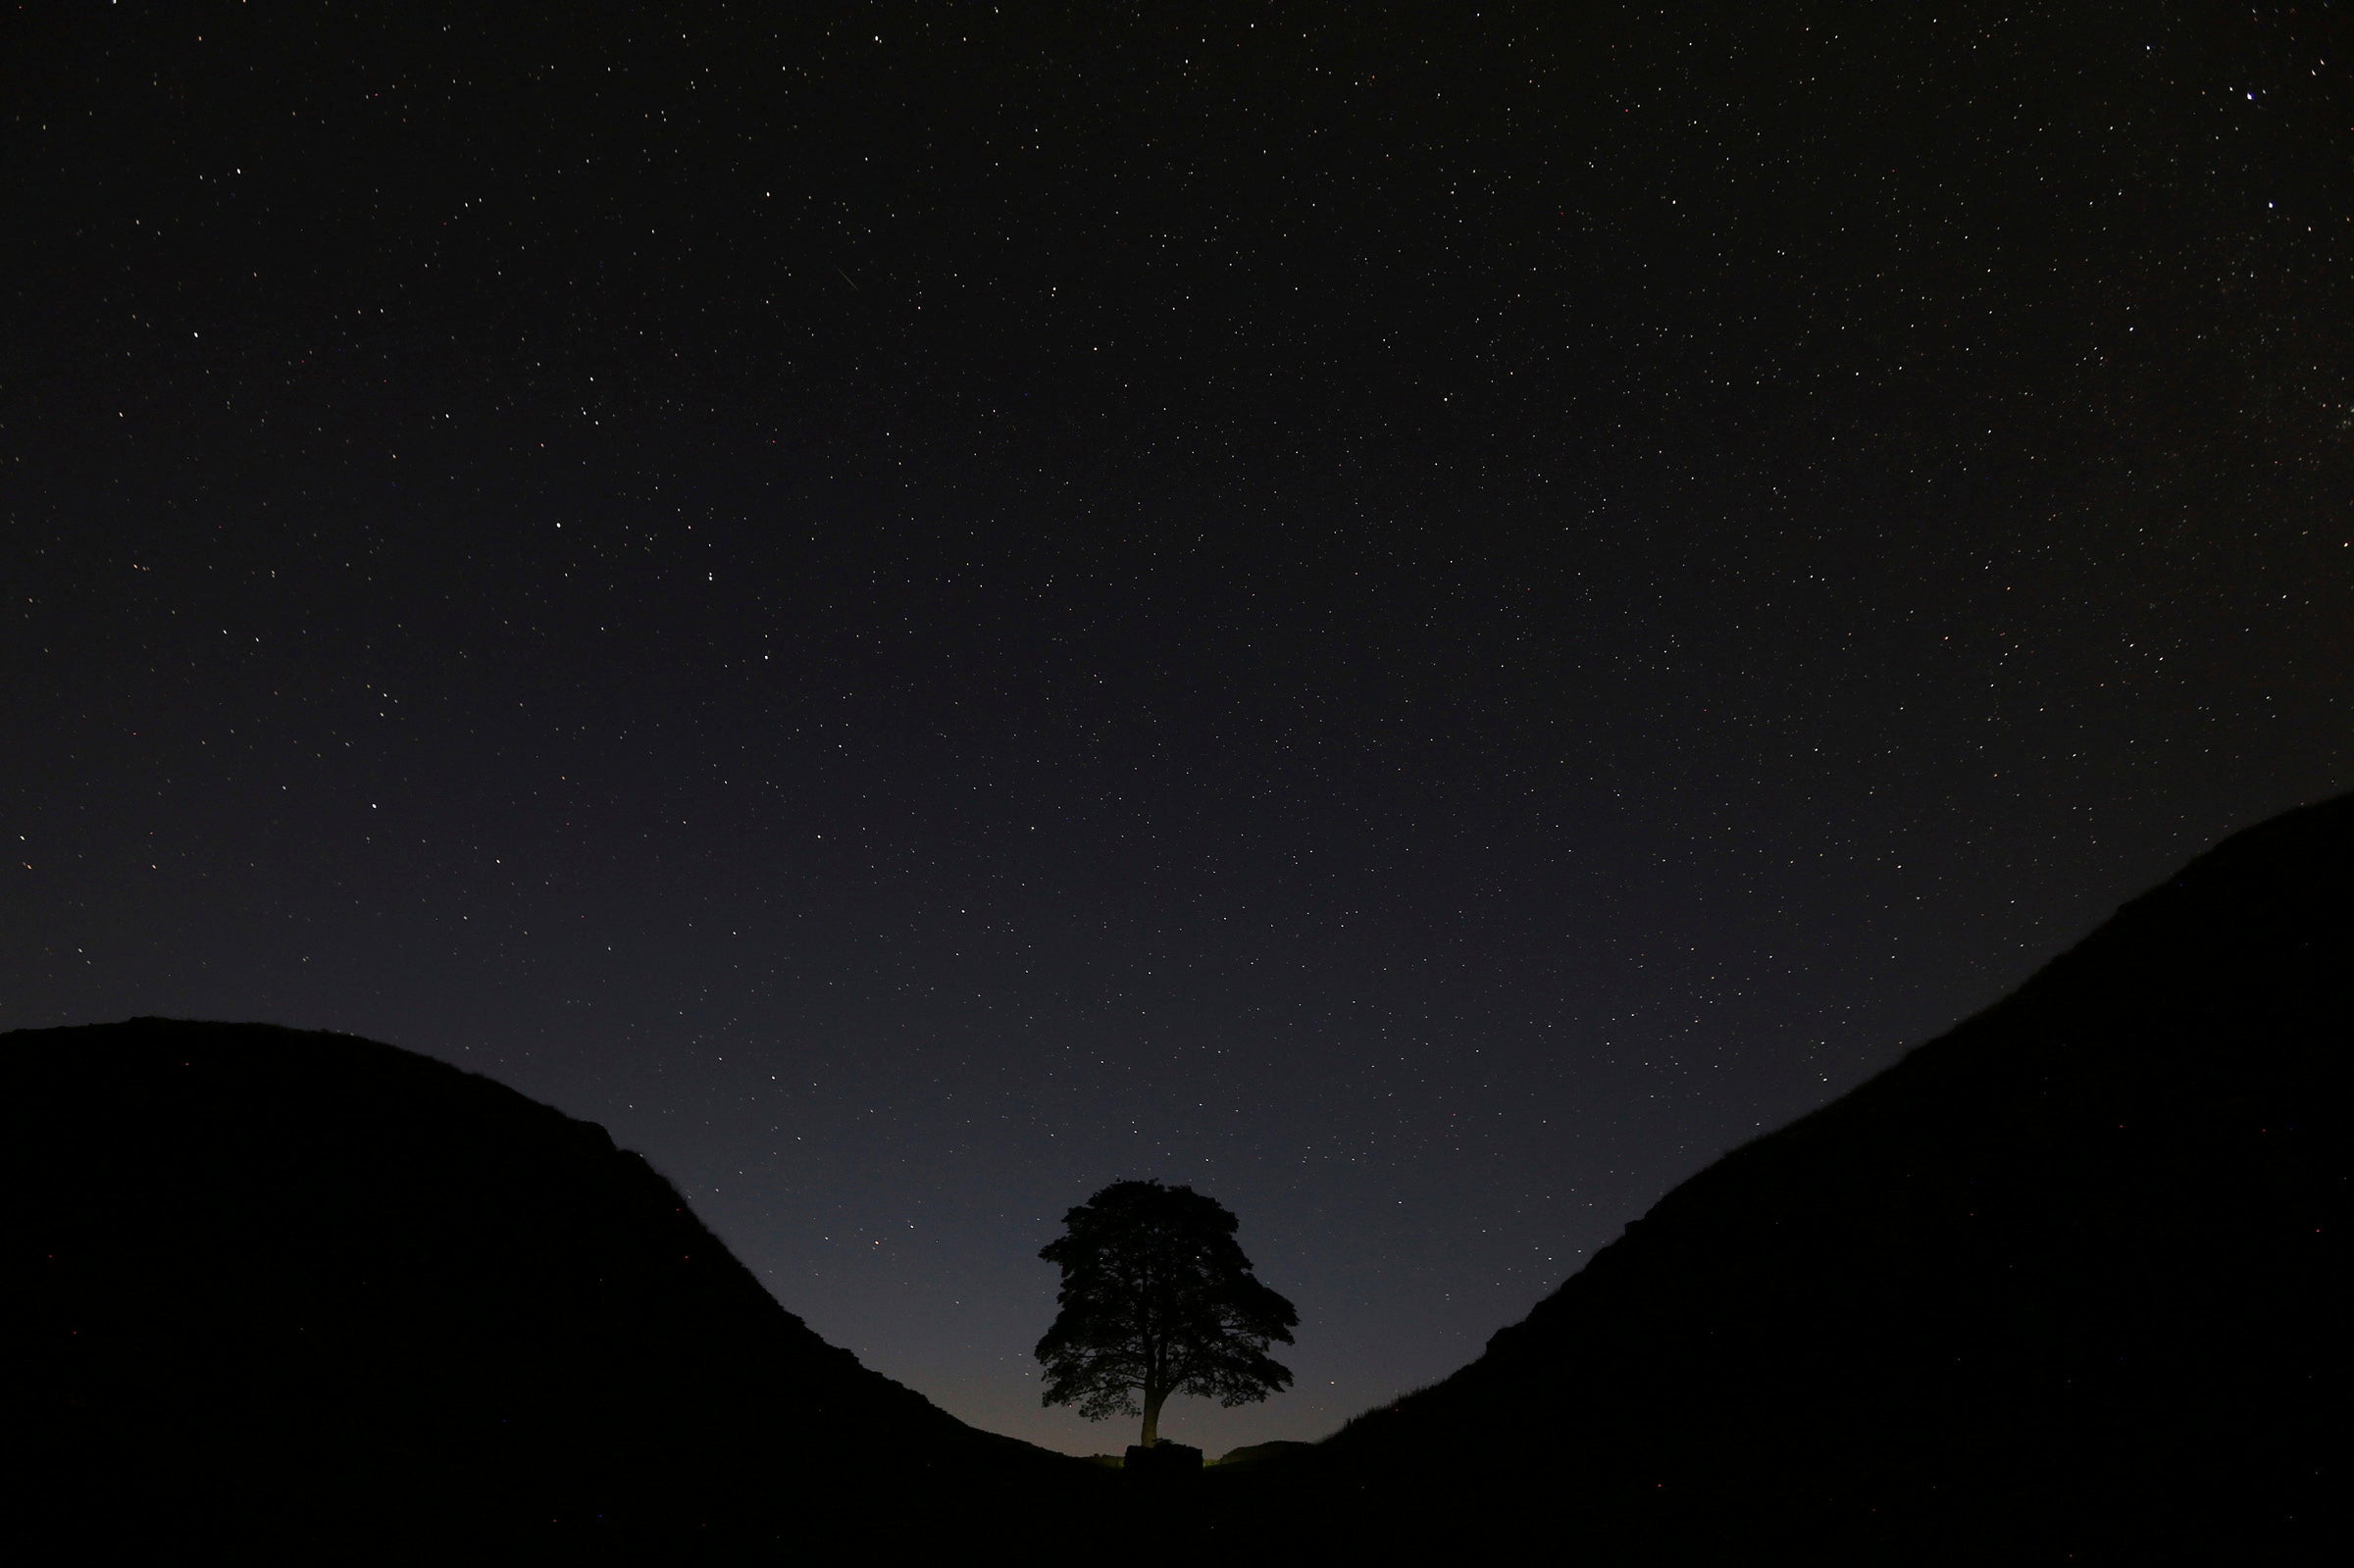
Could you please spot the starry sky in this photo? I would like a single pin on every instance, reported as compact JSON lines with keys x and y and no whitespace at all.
{"x":1420,"y":616}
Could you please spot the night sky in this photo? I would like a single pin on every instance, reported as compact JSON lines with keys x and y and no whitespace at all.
{"x":1421,"y":617}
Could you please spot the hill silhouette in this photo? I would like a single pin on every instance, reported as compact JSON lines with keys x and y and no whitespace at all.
{"x":303,"y":1294}
{"x":2065,"y":1285}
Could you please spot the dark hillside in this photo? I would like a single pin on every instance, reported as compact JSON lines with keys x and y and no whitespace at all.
{"x":310,"y":1295}
{"x":2066,"y":1284}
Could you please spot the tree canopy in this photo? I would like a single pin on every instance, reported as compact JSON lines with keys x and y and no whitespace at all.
{"x":1157,"y":1298}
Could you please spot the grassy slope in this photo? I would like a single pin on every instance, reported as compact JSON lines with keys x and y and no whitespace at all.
{"x":2066,"y":1284}
{"x":307,"y":1289}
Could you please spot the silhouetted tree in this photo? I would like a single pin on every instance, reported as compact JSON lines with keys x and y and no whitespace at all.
{"x":1157,"y":1300}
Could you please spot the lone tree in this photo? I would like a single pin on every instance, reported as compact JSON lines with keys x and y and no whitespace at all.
{"x":1157,"y":1300}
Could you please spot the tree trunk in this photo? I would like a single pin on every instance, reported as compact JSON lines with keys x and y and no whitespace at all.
{"x":1152,"y":1401}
